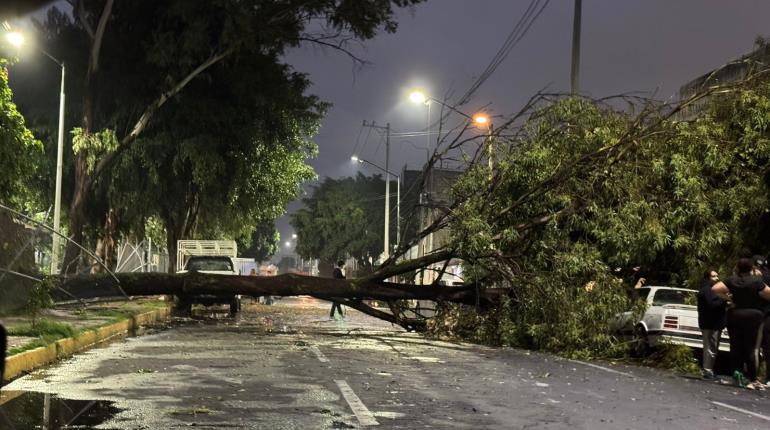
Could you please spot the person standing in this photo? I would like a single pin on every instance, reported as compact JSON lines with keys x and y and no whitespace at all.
{"x":761,"y":263}
{"x":338,"y":274}
{"x":712,"y":319}
{"x":3,"y":346}
{"x":749,"y":296}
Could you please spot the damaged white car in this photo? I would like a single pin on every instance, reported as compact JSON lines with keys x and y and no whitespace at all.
{"x":671,"y":316}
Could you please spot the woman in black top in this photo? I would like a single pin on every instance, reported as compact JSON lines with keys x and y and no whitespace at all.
{"x":712,"y":319}
{"x":749,"y":295}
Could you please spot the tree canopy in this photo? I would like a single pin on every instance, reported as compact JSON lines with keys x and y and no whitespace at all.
{"x":261,"y":244}
{"x":342,"y":217}
{"x":585,"y":192}
{"x":199,"y":90}
{"x":19,"y":150}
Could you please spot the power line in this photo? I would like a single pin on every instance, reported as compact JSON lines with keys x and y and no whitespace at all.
{"x":519,"y":31}
{"x":358,"y":140}
{"x":366,"y":140}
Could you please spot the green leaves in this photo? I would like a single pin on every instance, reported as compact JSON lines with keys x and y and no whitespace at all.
{"x":19,"y":150}
{"x":587,"y":192}
{"x":343,"y":217}
{"x":95,"y":145}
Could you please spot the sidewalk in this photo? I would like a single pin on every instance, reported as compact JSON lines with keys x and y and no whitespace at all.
{"x":62,"y":331}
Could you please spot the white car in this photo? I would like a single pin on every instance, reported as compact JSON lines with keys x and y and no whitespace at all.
{"x":217,"y":265}
{"x":671,"y":317}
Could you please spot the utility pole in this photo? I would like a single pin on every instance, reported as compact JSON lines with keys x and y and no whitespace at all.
{"x":575,"y":76}
{"x":56,"y":243}
{"x":387,"y":192}
{"x":386,"y":244}
{"x":490,"y":149}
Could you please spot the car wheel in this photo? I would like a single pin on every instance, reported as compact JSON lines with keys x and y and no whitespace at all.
{"x":640,"y":346}
{"x":182,"y":307}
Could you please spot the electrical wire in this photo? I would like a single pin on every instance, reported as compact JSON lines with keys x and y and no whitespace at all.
{"x":519,"y":31}
{"x":366,"y":140}
{"x":358,"y":140}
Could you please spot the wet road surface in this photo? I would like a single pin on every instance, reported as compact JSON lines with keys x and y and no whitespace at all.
{"x":289,"y":367}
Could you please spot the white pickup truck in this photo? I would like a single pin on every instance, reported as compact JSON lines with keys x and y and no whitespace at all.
{"x":671,"y":317}
{"x":207,"y":256}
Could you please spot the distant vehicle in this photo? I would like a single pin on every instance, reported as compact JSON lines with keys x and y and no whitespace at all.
{"x":207,"y":256}
{"x":671,"y":317}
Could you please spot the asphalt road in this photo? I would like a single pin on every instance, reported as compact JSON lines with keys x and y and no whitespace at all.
{"x":290,"y":367}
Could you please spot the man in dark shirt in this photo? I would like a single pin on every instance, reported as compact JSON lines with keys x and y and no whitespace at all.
{"x":712,"y":319}
{"x":337,"y":275}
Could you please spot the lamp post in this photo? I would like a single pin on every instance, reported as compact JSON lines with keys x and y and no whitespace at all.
{"x":480,"y":119}
{"x":419,"y":97}
{"x":17,"y":39}
{"x":387,"y":201}
{"x":299,"y":257}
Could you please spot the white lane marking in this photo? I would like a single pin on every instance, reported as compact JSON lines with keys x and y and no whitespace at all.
{"x":365,"y":418}
{"x":737,"y":409}
{"x":606,"y":369}
{"x":321,"y":357}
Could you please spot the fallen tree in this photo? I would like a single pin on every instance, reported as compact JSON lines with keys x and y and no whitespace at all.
{"x":350,"y":292}
{"x":142,"y":284}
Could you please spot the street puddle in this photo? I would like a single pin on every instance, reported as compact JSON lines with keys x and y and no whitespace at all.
{"x":30,"y":410}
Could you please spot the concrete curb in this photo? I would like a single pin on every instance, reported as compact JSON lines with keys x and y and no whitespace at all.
{"x":24,"y":362}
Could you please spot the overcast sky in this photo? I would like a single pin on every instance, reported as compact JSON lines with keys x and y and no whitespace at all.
{"x":443,"y":45}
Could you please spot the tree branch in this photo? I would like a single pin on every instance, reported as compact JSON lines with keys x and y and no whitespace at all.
{"x":97,"y":37}
{"x":80,"y":12}
{"x":150,"y":110}
{"x":337,"y":46}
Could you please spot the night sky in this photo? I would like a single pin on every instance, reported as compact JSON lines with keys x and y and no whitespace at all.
{"x":652,"y":46}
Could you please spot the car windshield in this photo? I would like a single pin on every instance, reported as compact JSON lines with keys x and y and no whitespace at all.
{"x":674,"y":297}
{"x":209,"y":264}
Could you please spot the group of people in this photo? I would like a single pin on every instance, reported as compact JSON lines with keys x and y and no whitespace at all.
{"x":740,"y":303}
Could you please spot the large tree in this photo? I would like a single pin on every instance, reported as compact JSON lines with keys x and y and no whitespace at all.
{"x":224,"y":157}
{"x":261,"y":244}
{"x":342,"y":218}
{"x":133,"y":58}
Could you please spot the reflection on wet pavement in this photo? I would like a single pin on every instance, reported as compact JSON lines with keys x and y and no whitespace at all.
{"x":33,"y":410}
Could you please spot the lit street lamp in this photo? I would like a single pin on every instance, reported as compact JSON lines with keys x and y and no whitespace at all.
{"x":17,"y":39}
{"x":387,"y":199}
{"x":419,"y":97}
{"x":480,"y":119}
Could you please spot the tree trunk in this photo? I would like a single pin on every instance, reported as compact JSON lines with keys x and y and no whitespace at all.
{"x":76,"y":214}
{"x":105,"y":246}
{"x":150,"y":283}
{"x":348,"y":292}
{"x":171,"y":239}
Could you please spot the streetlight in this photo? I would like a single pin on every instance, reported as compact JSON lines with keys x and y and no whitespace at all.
{"x":483,"y":120}
{"x":14,"y":38}
{"x":480,"y":119}
{"x":17,"y":39}
{"x":420,"y":97}
{"x":386,"y":246}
